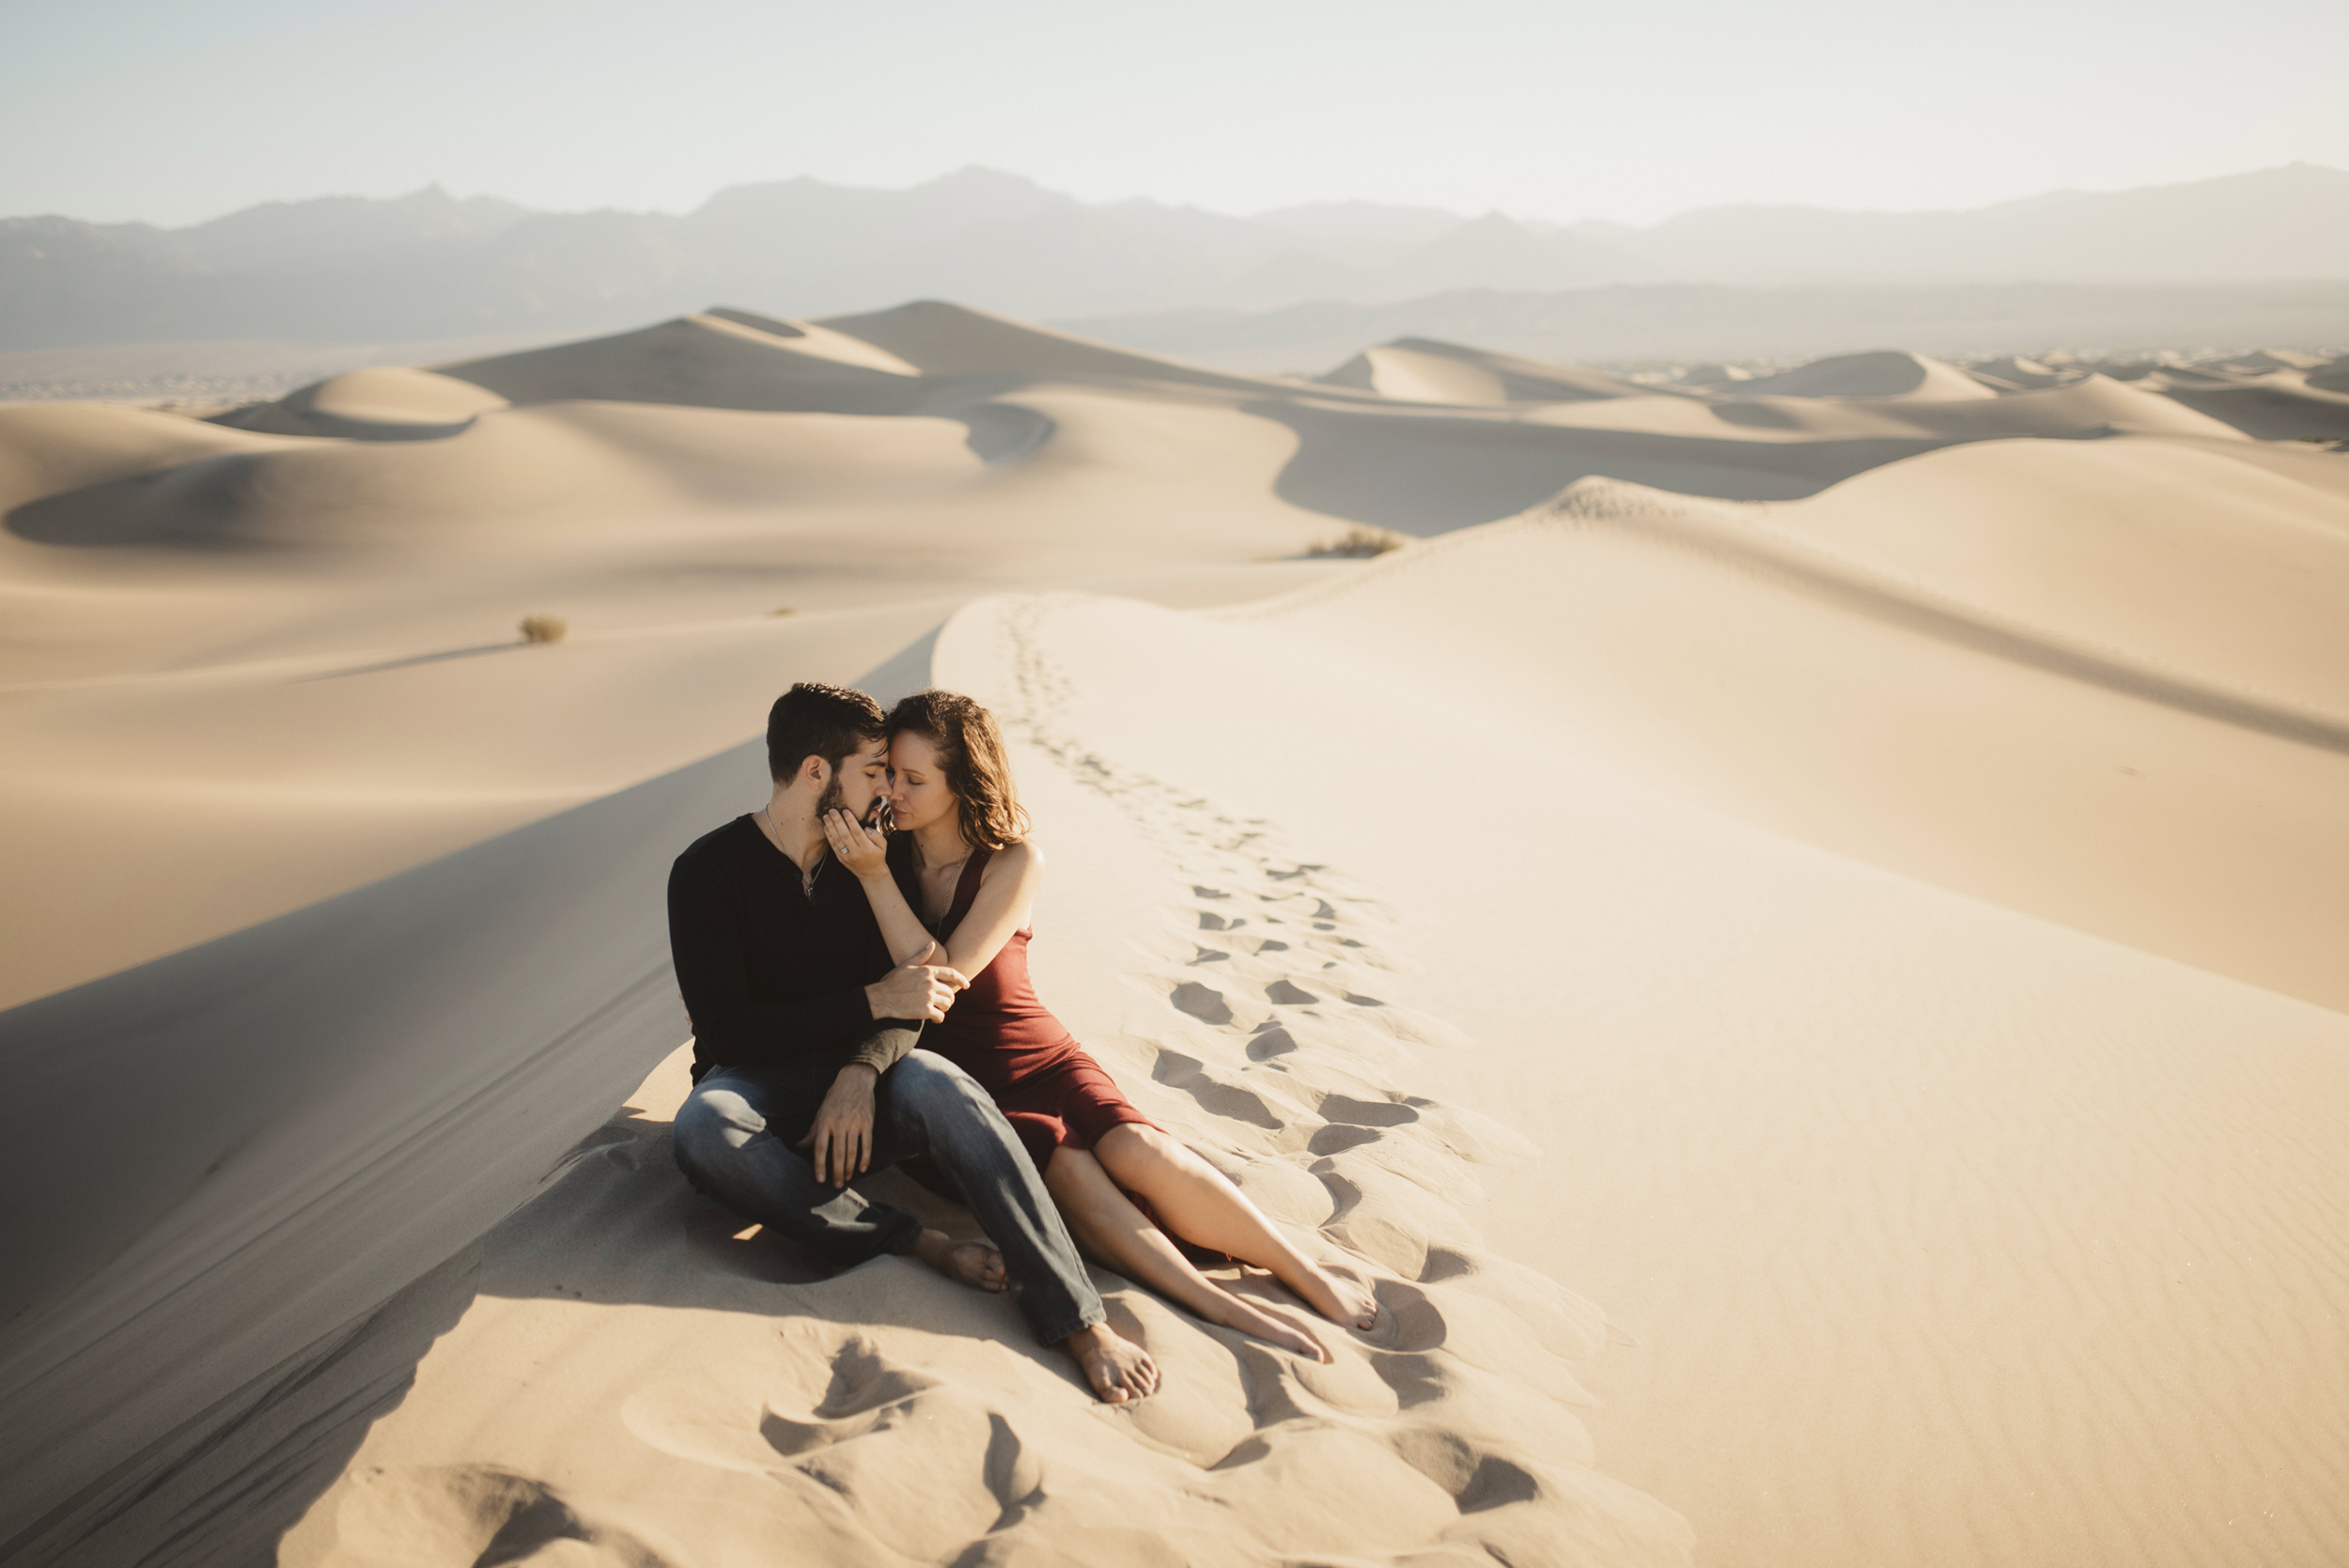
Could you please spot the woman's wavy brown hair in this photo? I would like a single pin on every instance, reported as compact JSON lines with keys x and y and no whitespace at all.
{"x":978,"y":772}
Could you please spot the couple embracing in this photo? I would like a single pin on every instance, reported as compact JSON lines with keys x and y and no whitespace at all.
{"x":860,"y":996}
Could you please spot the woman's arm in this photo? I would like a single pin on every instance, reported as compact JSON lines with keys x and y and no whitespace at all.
{"x":1007,"y":887}
{"x":866,"y":853}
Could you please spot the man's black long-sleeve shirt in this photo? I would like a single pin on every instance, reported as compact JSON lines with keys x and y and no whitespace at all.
{"x":769,"y":971}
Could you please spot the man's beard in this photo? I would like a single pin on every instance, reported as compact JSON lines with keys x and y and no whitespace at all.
{"x":834,"y":801}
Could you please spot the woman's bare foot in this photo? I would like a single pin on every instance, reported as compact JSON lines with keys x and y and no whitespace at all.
{"x":1342,"y":1301}
{"x":1264,"y":1325}
{"x":1119,"y":1370}
{"x":966,"y":1262}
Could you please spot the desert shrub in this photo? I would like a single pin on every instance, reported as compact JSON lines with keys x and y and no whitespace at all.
{"x":1358,"y":543}
{"x":544,"y":629}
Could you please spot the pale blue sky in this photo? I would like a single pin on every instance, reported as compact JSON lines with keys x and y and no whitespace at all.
{"x":172,"y":112}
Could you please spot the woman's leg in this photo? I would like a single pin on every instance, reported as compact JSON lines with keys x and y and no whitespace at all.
{"x":1108,"y":1225}
{"x":1199,"y":1205}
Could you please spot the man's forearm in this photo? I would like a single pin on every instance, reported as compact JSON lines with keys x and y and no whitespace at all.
{"x":886,"y":1046}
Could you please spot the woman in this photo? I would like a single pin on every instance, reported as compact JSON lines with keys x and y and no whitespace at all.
{"x":960,"y":870}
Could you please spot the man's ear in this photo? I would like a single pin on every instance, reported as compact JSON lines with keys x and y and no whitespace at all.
{"x":816,"y":771}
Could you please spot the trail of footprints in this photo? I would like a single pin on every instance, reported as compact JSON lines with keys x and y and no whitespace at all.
{"x":1446,"y":1438}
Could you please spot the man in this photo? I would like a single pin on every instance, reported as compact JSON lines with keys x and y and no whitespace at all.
{"x":806,"y":1071}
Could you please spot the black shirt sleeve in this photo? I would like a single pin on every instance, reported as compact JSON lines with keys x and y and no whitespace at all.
{"x":729,"y":1028}
{"x":887,"y":1045}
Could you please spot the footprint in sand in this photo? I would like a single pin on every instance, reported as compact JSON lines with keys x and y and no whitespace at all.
{"x":1201,"y":1002}
{"x":1271,"y":1040}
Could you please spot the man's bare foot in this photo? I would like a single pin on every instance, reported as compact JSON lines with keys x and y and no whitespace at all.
{"x":1342,"y":1301}
{"x":1264,"y":1325}
{"x":966,"y":1262}
{"x":1119,"y":1370}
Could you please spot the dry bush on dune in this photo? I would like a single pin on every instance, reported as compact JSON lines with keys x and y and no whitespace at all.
{"x":544,"y":629}
{"x":1358,"y":543}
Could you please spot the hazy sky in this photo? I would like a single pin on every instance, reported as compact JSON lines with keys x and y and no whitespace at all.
{"x":174,"y":111}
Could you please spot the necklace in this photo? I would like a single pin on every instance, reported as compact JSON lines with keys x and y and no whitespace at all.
{"x":774,"y":835}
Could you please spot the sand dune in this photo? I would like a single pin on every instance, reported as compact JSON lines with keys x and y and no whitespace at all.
{"x":1856,"y":988}
{"x":1781,"y":324}
{"x":943,"y":339}
{"x":2260,"y":360}
{"x":1885,"y":374}
{"x":2170,"y":555}
{"x":2057,"y":717}
{"x":57,"y":448}
{"x":1425,"y":469}
{"x":2089,"y":406}
{"x":378,"y":403}
{"x":717,"y":359}
{"x":1422,"y":370}
{"x":2015,"y":373}
{"x":2273,"y":405}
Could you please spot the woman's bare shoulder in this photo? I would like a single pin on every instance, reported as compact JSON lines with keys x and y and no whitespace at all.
{"x":1016,"y":860}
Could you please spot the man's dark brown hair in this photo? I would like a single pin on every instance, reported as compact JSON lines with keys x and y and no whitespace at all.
{"x":813,"y":720}
{"x":978,"y":770}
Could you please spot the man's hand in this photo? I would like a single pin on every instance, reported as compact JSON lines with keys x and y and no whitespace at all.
{"x":919,"y":989}
{"x":840,"y":1144}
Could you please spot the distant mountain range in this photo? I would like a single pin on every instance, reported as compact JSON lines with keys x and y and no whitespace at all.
{"x":1667,"y":322}
{"x":430,"y":265}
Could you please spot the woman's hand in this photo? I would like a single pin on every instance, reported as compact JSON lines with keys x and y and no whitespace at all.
{"x":862,"y":849}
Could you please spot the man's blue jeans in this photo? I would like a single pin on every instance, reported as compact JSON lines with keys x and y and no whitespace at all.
{"x":734,"y":1138}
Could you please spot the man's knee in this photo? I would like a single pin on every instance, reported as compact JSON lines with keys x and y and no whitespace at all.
{"x":713,"y":1122}
{"x":923,"y":1082}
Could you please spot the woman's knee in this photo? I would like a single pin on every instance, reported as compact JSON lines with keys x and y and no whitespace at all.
{"x":1135,"y":1147}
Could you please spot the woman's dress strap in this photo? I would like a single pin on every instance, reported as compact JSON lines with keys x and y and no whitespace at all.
{"x":966,"y":892}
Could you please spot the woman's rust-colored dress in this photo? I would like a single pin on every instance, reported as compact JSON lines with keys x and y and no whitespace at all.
{"x":1053,"y":1094}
